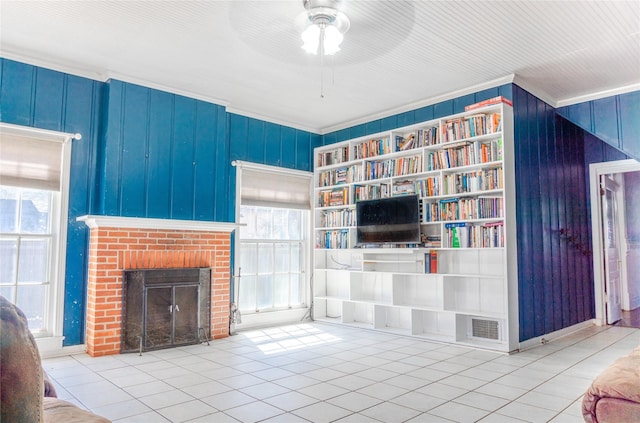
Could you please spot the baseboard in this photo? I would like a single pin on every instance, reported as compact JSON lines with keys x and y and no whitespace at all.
{"x":52,"y":347}
{"x":270,"y":318}
{"x":538,"y":340}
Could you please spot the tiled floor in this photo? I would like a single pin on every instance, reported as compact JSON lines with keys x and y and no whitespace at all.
{"x":323,"y":373}
{"x":630,"y":319}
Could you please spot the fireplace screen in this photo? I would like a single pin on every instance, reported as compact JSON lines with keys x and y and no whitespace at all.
{"x":165,"y":308}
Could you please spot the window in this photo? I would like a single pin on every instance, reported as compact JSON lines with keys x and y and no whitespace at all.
{"x":26,"y":251}
{"x":34,"y":192}
{"x":272,"y":251}
{"x":272,"y":243}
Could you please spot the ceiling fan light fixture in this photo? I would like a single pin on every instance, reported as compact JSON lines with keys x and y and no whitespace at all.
{"x":326,"y":27}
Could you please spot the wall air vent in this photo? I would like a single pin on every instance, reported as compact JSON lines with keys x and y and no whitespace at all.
{"x":486,"y":329}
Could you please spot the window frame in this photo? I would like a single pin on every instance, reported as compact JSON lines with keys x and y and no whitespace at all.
{"x":50,"y":340}
{"x":305,"y":245}
{"x":277,"y":316}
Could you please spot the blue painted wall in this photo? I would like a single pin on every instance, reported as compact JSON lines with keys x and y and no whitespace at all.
{"x":615,"y":120}
{"x":164,"y":156}
{"x":144,"y":153}
{"x":555,"y":272}
{"x":37,"y":97}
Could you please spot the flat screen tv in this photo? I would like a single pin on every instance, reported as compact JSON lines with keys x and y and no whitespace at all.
{"x":393,"y":220}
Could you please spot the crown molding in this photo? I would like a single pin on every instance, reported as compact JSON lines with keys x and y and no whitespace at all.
{"x":105,"y":75}
{"x":270,"y":119}
{"x":598,"y":95}
{"x":71,"y":68}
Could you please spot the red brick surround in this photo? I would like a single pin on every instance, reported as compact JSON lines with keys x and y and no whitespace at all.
{"x":114,"y":249}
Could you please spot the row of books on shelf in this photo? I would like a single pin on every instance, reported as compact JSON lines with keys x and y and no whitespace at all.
{"x":373,"y":147}
{"x":471,"y":126}
{"x":465,"y":155}
{"x":333,"y":239}
{"x":430,"y":241}
{"x":333,"y":197}
{"x":463,"y":235}
{"x":420,"y":138}
{"x":427,"y":187}
{"x":471,"y":208}
{"x":338,"y":155}
{"x":371,"y":192}
{"x":337,"y":218}
{"x":431,"y":262}
{"x":377,"y":169}
{"x":468,"y":182}
{"x":463,"y":209}
{"x":341,"y":175}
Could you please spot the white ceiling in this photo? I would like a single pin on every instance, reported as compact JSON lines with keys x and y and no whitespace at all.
{"x":397,"y":55}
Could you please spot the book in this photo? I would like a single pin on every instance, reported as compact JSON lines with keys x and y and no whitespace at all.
{"x":433,"y":261}
{"x":488,"y":102}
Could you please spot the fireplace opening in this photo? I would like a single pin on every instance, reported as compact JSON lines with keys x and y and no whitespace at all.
{"x":164,"y":308}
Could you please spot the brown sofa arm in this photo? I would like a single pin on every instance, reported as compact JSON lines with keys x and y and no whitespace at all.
{"x":614,"y":396}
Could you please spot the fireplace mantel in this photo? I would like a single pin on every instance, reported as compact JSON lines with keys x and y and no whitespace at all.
{"x":95,"y":221}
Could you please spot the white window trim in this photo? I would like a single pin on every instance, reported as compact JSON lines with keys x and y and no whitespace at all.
{"x":269,"y":318}
{"x":51,"y":343}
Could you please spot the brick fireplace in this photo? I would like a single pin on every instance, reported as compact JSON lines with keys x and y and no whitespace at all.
{"x":117,"y":244}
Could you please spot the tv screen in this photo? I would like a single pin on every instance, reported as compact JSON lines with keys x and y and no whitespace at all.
{"x":393,"y":220}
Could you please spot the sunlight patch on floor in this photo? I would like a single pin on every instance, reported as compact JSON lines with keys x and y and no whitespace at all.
{"x":289,"y":338}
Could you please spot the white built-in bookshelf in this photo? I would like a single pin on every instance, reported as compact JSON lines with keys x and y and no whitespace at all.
{"x":459,"y":284}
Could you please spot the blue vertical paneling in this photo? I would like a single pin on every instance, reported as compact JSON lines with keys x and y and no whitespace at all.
{"x":316,"y":141}
{"x":389,"y":123}
{"x":629,"y":123}
{"x":225,"y":194}
{"x":38,"y":97}
{"x":83,"y":101}
{"x":183,"y":160}
{"x":605,"y":122}
{"x":613,"y":119}
{"x":444,"y":108}
{"x":555,"y":283}
{"x":373,"y":126}
{"x":341,"y":135}
{"x":330,"y":138}
{"x":205,"y":158}
{"x":160,"y":146}
{"x":238,"y":136}
{"x":166,"y":156}
{"x":134,"y":157}
{"x":111,"y":168}
{"x":273,"y":153}
{"x":288,"y":147}
{"x":489,"y":93}
{"x":17,"y":93}
{"x":256,"y":141}
{"x":524,"y":171}
{"x":459,"y":103}
{"x":406,"y":118}
{"x":424,"y":114}
{"x":358,"y":131}
{"x":49,"y":102}
{"x":303,"y":151}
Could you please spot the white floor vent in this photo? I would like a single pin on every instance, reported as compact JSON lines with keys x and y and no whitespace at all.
{"x":485,"y":329}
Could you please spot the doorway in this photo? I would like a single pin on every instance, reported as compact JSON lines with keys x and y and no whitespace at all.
{"x":615,"y":222}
